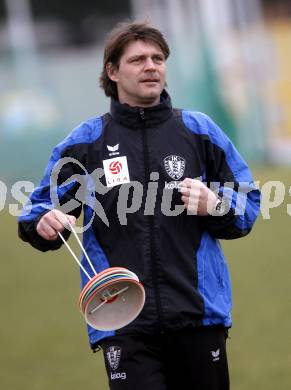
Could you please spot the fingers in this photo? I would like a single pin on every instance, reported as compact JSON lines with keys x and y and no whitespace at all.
{"x":45,"y":231}
{"x":188,"y":192}
{"x":72,"y":220}
{"x":188,"y":183}
{"x":190,"y":189}
{"x":64,"y":219}
{"x":196,"y":196}
{"x":52,"y":223}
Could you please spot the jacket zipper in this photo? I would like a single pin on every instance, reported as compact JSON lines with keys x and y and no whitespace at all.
{"x":150,"y":219}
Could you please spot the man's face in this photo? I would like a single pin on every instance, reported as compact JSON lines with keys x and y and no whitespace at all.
{"x":140,"y":77}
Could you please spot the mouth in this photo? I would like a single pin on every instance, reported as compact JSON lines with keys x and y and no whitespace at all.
{"x":150,"y":81}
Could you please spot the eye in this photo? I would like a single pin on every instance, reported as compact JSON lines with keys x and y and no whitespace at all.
{"x":158,"y":59}
{"x":135,"y":60}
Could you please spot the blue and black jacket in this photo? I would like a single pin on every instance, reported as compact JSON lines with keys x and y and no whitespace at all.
{"x":178,"y":258}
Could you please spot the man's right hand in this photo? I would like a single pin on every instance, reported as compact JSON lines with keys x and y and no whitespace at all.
{"x":52,"y":223}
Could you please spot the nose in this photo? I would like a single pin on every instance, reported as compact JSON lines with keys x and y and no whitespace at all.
{"x":149,"y":64}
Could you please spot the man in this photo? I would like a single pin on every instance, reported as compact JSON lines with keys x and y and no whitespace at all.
{"x":195,"y":188}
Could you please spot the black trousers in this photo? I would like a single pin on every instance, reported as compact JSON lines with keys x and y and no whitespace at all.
{"x":189,"y":360}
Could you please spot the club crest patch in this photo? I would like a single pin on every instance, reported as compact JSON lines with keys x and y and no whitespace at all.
{"x":175,"y":166}
{"x":113,"y":355}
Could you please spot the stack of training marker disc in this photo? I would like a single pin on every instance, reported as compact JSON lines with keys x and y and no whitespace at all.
{"x":112,"y":298}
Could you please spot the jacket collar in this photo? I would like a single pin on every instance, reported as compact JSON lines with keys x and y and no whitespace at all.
{"x":137,"y":117}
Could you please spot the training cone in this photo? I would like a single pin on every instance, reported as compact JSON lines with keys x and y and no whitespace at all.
{"x":112,"y":299}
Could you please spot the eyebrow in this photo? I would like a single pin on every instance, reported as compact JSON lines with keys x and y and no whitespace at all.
{"x":142,"y":56}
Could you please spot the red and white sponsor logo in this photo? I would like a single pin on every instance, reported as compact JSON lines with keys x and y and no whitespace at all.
{"x":115,"y":167}
{"x":116,"y":171}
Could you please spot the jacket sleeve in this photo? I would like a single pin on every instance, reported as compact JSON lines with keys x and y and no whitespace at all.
{"x":57,"y":190}
{"x":228,"y":174}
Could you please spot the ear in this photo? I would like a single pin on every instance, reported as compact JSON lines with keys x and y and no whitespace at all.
{"x":112,"y":71}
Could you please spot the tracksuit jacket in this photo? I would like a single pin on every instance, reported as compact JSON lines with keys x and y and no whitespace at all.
{"x":176,"y":255}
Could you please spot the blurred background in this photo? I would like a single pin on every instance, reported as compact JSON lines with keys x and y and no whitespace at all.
{"x":230,"y":59}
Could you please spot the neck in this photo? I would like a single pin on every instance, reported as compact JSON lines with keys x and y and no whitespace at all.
{"x":140,"y":102}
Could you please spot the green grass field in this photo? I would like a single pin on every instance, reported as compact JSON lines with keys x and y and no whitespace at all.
{"x":43,"y":336}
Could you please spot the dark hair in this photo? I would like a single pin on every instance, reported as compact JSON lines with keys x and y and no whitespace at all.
{"x":116,"y":42}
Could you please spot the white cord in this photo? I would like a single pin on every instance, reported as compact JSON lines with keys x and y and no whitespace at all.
{"x":74,"y":256}
{"x":81,"y":245}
